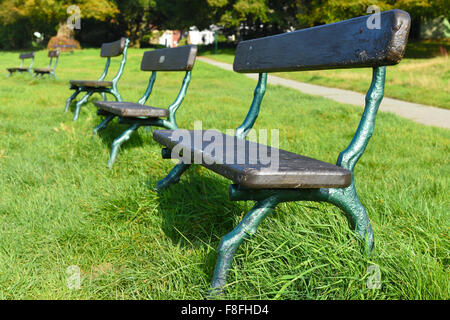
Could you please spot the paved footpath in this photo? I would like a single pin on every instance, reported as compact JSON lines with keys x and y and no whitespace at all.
{"x":417,"y":112}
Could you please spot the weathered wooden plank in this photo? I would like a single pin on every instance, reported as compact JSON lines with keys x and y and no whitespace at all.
{"x":130,"y":109}
{"x":26,"y":55}
{"x":170,"y":59}
{"x":53,"y":53}
{"x":91,"y":83}
{"x":113,"y":49}
{"x":254,"y":165}
{"x":345,"y":44}
{"x":42,"y":70}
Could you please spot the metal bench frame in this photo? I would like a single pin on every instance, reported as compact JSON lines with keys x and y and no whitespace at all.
{"x":22,"y":57}
{"x":345,"y":198}
{"x":136,"y":123}
{"x":169,"y":123}
{"x":102,"y":90}
{"x":267,"y":199}
{"x":52,"y":54}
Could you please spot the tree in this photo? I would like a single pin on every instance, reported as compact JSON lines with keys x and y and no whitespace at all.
{"x":49,"y":15}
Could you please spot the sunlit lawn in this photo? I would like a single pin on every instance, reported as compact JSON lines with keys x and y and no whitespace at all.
{"x":60,"y":206}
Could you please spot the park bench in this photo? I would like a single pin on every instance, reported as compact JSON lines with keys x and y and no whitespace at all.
{"x":21,"y":68}
{"x":108,"y":50}
{"x":52,"y":54}
{"x":137,"y":114}
{"x":346,"y":44}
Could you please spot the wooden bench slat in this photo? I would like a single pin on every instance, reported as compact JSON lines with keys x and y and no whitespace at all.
{"x":91,"y":83}
{"x":170,"y":59}
{"x":345,"y":44}
{"x":42,"y":70}
{"x":53,"y":54}
{"x":295,"y":171}
{"x":17,"y":69}
{"x":130,"y":109}
{"x":26,"y":55}
{"x":113,"y":49}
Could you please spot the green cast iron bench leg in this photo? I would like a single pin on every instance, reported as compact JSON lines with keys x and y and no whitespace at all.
{"x":70,"y":99}
{"x":80,"y":103}
{"x":230,"y":242}
{"x":173,"y":176}
{"x":104,"y":123}
{"x":125,"y":136}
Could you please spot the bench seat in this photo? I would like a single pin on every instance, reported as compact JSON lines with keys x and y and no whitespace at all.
{"x":294,"y":171}
{"x":131,"y":109}
{"x":17,"y":69}
{"x":42,"y":70}
{"x":91,"y":83}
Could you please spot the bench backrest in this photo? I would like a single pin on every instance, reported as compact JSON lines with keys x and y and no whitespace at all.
{"x":53,"y":53}
{"x":113,"y":49}
{"x":170,"y":59}
{"x":26,"y":55}
{"x":345,"y":44}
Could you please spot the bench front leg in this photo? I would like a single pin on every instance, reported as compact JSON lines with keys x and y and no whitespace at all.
{"x":103,"y":124}
{"x":230,"y":242}
{"x":173,"y":176}
{"x":125,"y":136}
{"x":70,"y":99}
{"x":116,"y":94}
{"x":80,"y":103}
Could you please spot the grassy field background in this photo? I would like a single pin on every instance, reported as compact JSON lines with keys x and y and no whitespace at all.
{"x":423,"y":76}
{"x":60,"y":206}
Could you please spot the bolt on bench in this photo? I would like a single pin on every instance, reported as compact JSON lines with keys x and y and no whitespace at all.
{"x":137,"y":114}
{"x":49,"y":70}
{"x":346,"y":44}
{"x":108,"y":50}
{"x":21,"y":68}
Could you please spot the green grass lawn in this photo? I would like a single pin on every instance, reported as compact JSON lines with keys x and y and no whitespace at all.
{"x":422,"y":77}
{"x":60,"y":206}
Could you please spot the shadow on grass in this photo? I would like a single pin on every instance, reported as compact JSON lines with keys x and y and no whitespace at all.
{"x":115,"y":130}
{"x":197,"y":211}
{"x":197,"y":214}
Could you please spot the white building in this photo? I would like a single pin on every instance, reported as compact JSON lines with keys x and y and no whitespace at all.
{"x":200,"y":37}
{"x":170,"y":38}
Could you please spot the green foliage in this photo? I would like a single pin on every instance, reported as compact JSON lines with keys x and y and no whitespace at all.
{"x":27,"y":16}
{"x":137,"y":18}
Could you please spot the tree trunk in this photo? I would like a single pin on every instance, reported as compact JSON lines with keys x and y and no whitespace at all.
{"x":64,"y":31}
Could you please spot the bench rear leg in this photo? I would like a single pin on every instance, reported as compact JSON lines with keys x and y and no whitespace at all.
{"x":230,"y":242}
{"x":80,"y":103}
{"x":125,"y":136}
{"x":173,"y":176}
{"x":348,"y":201}
{"x":103,"y":124}
{"x":70,"y":99}
{"x":116,"y":95}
